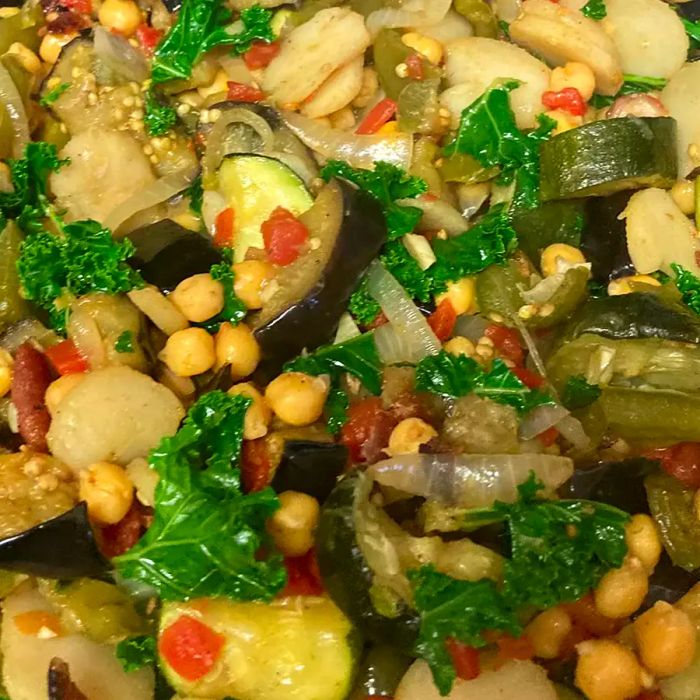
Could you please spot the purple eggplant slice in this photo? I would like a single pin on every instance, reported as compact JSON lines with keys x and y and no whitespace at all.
{"x":61,"y":687}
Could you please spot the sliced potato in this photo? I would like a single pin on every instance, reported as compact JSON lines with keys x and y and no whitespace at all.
{"x":315,"y":50}
{"x":473,"y":64}
{"x":341,"y":88}
{"x":115,"y":414}
{"x":560,"y":34}
{"x":682,"y":99}
{"x":649,"y":36}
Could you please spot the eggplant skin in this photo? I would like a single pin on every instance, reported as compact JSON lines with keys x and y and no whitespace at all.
{"x":313,"y":320}
{"x":61,"y":687}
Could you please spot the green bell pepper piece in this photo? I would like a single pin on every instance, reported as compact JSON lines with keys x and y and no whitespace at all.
{"x":418,"y":106}
{"x":389,"y":51}
{"x":463,"y":168}
{"x":480,"y":16}
{"x":22,"y":27}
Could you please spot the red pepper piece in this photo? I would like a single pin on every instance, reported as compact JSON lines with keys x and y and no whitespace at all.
{"x":569,"y":100}
{"x":414,"y":63}
{"x":303,"y":576}
{"x":223,"y":228}
{"x":190,"y":647}
{"x":260,"y":54}
{"x":507,"y":343}
{"x":379,"y":115}
{"x":465,"y":659}
{"x":367,"y":430}
{"x":284,"y":236}
{"x":239,"y":92}
{"x":443,"y":320}
{"x":148,"y":38}
{"x":681,"y":461}
{"x":66,"y":358}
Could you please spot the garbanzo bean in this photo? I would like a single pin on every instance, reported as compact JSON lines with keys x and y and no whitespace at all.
{"x":249,"y":280}
{"x":621,"y":591}
{"x":643,"y":540}
{"x":121,"y":16}
{"x":189,"y":352}
{"x":236,"y":346}
{"x":292,"y":526}
{"x":607,"y":671}
{"x":108,"y":492}
{"x":548,"y":631}
{"x":199,"y":297}
{"x":297,"y":398}
{"x":258,"y":415}
{"x":407,"y":437}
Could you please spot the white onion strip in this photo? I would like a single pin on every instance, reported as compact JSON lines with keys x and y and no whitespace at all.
{"x":412,"y":13}
{"x":12,"y":101}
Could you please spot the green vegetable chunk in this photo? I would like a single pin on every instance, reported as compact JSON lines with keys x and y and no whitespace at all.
{"x":134,"y":653}
{"x":125,"y":342}
{"x":595,"y":9}
{"x":159,"y":117}
{"x":578,"y":393}
{"x":689,"y":286}
{"x":52,"y":95}
{"x":207,"y":537}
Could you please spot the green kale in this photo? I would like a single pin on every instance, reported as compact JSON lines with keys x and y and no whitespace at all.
{"x":195,"y":192}
{"x":336,"y":407}
{"x":234,"y":310}
{"x":505,"y":28}
{"x":632,"y":85}
{"x":595,"y":9}
{"x":578,"y":393}
{"x":135,"y":653}
{"x":459,"y":375}
{"x":159,"y":117}
{"x":363,"y":306}
{"x":689,"y":286}
{"x":692,"y":29}
{"x":52,"y":95}
{"x":125,"y":342}
{"x":201,"y":26}
{"x":387,"y":183}
{"x":207,"y":537}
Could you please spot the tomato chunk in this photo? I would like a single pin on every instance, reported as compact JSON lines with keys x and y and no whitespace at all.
{"x":681,"y":461}
{"x":569,"y":100}
{"x":284,"y":236}
{"x":379,"y":115}
{"x":190,"y":647}
{"x":255,"y":465}
{"x":507,"y":343}
{"x":465,"y":659}
{"x":239,"y":92}
{"x":367,"y":430}
{"x":83,"y":6}
{"x":223,"y":228}
{"x":443,"y":320}
{"x":148,"y":38}
{"x":260,"y":54}
{"x":530,"y":379}
{"x":66,"y":358}
{"x":303,"y":576}
{"x":509,"y":648}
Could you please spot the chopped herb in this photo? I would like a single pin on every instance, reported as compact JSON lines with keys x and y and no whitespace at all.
{"x":52,"y":95}
{"x":336,"y":408}
{"x":203,"y":25}
{"x":207,"y":537}
{"x":595,"y":9}
{"x":195,"y":192}
{"x":692,"y":29}
{"x":558,"y":551}
{"x":125,"y":342}
{"x":135,"y":653}
{"x":234,"y":310}
{"x":505,"y":28}
{"x":159,"y":117}
{"x":689,"y":286}
{"x":363,"y":306}
{"x":632,"y":85}
{"x":387,"y":183}
{"x":578,"y":393}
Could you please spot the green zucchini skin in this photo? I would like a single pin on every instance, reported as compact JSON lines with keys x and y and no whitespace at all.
{"x":347,"y":576}
{"x":608,"y":156}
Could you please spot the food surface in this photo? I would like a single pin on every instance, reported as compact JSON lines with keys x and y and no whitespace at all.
{"x":349,"y":349}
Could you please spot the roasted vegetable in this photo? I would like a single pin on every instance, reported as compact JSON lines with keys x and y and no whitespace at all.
{"x":607,"y":156}
{"x":13,"y":307}
{"x":61,"y":687}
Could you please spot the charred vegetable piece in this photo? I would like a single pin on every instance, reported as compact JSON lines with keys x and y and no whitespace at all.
{"x":63,"y":547}
{"x":608,"y":156}
{"x":167,"y":253}
{"x":310,"y":467}
{"x":314,"y":290}
{"x":61,"y":687}
{"x":669,"y":582}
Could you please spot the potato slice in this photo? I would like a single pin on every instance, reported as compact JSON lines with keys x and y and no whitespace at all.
{"x":682,"y":99}
{"x":341,"y":88}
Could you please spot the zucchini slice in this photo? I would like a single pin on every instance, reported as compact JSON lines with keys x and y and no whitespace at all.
{"x":298,"y":648}
{"x":608,"y":156}
{"x":254,"y":186}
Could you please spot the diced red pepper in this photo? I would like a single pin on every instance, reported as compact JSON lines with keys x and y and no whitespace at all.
{"x":379,"y":115}
{"x":569,"y":100}
{"x":584,"y":613}
{"x":284,"y":236}
{"x":367,"y":430}
{"x":443,"y":320}
{"x":82,"y":6}
{"x":66,"y":358}
{"x":255,"y":465}
{"x":681,"y":461}
{"x":507,"y":342}
{"x":223,"y":228}
{"x":303,"y":576}
{"x":148,"y":38}
{"x":260,"y":54}
{"x":190,"y":647}
{"x":530,"y":379}
{"x":509,"y":648}
{"x":465,"y":659}
{"x":414,"y":63}
{"x":548,"y":437}
{"x":240,"y":92}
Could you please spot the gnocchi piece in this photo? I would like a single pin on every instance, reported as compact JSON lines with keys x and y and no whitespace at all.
{"x":341,"y":88}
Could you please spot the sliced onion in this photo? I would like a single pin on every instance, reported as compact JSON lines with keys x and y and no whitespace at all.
{"x":540,"y":419}
{"x":413,"y":13}
{"x":544,"y":290}
{"x":84,"y":332}
{"x":471,"y":326}
{"x":572,"y":431}
{"x":119,"y":57}
{"x":213,"y":203}
{"x":164,"y":314}
{"x":216,"y":141}
{"x":347,"y":329}
{"x":358,"y":151}
{"x":438,"y":214}
{"x":12,"y":102}
{"x":470,"y":481}
{"x":534,"y":353}
{"x":159,"y":191}
{"x":408,"y":323}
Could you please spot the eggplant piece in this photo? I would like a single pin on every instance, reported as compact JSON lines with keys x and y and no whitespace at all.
{"x":668,"y":582}
{"x":621,"y":484}
{"x":315,"y":290}
{"x":634,"y":316}
{"x":604,"y":237}
{"x":63,"y":548}
{"x":688,"y":10}
{"x":167,"y":253}
{"x":310,"y":467}
{"x":61,"y":687}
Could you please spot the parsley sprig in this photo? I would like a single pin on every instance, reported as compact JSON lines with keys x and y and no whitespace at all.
{"x":688,"y":285}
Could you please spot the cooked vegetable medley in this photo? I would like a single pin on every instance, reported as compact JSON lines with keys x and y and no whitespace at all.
{"x":349,"y":349}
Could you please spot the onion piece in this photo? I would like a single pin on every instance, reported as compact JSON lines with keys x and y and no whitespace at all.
{"x":437,"y":214}
{"x":540,"y":419}
{"x":119,"y":58}
{"x":164,"y":314}
{"x":470,"y":481}
{"x":358,"y":151}
{"x":413,"y":13}
{"x":216,"y":141}
{"x":12,"y":102}
{"x":572,"y":430}
{"x":159,"y":191}
{"x":412,"y":331}
{"x":84,"y":332}
{"x":534,"y":353}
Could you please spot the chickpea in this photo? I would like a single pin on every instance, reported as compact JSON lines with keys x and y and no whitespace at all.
{"x":621,"y":591}
{"x":666,"y":639}
{"x":122,"y":16}
{"x":407,"y":437}
{"x":683,"y":194}
{"x":189,"y":352}
{"x":461,"y":294}
{"x":426,"y":46}
{"x":60,"y":388}
{"x":626,"y":285}
{"x":199,"y":297}
{"x":292,"y":526}
{"x":553,"y":254}
{"x":459,"y":345}
{"x":575,"y":75}
{"x":607,"y":671}
{"x":236,"y":346}
{"x":297,"y":398}
{"x":565,"y":121}
{"x":108,"y":492}
{"x":259,"y":413}
{"x":250,"y":278}
{"x":548,"y":631}
{"x":51,"y":46}
{"x":643,"y":540}
{"x":6,"y":365}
